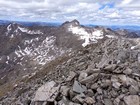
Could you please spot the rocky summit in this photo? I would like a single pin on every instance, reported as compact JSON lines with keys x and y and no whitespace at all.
{"x":69,"y":65}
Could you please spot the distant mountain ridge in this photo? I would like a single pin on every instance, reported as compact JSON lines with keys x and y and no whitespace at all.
{"x":118,"y":27}
{"x":114,"y":27}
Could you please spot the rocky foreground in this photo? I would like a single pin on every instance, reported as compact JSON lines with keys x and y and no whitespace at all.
{"x":105,"y":73}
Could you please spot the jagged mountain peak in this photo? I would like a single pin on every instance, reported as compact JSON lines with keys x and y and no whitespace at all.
{"x":13,"y":26}
{"x":71,"y":23}
{"x":76,"y":22}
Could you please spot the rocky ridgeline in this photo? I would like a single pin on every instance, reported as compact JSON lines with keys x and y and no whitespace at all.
{"x":113,"y":81}
{"x":106,"y":73}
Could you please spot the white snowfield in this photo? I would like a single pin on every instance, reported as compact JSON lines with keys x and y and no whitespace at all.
{"x":84,"y":35}
{"x":29,"y":31}
{"x":25,"y":30}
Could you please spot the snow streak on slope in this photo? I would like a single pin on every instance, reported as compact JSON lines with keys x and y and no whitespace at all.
{"x":9,"y":28}
{"x":29,"y":31}
{"x":41,"y":54}
{"x":14,"y":30}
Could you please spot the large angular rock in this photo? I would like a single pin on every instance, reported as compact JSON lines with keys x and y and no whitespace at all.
{"x":79,"y":98}
{"x":71,"y":76}
{"x":65,"y":101}
{"x":47,"y":92}
{"x":110,"y":67}
{"x":122,"y":56}
{"x":127,"y":71}
{"x":82,"y":75}
{"x":93,"y":71}
{"x":132,"y":100}
{"x":89,"y":100}
{"x":108,"y":102}
{"x":122,"y":79}
{"x":116,"y":101}
{"x":78,"y":88}
{"x":64,"y":90}
{"x":116,"y":85}
{"x":91,"y":78}
{"x":94,"y":86}
{"x":104,"y":61}
{"x":134,"y":89}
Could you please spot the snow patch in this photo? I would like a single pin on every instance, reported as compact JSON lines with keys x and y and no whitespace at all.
{"x":12,"y":36}
{"x":133,"y":47}
{"x":9,"y":28}
{"x":110,"y":36}
{"x":77,"y":30}
{"x":42,"y":53}
{"x":29,"y":31}
{"x":84,"y":35}
{"x":8,"y":57}
{"x":7,"y":62}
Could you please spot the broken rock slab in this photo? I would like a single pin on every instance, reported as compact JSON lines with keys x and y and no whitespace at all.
{"x":79,"y":98}
{"x":71,"y":76}
{"x":89,"y":100}
{"x":64,"y":90}
{"x":132,"y":100}
{"x":110,"y":67}
{"x":82,"y":75}
{"x":90,"y":78}
{"x":65,"y":101}
{"x":108,"y":102}
{"x":47,"y":92}
{"x":78,"y":88}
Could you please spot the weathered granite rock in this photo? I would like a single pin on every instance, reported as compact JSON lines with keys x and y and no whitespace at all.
{"x":90,"y":93}
{"x":91,"y":78}
{"x":47,"y":92}
{"x":110,"y":67}
{"x":122,"y":79}
{"x":94,"y":86}
{"x":116,"y":85}
{"x":89,"y":100}
{"x":78,"y":88}
{"x":134,"y":90}
{"x":127,"y":71}
{"x":71,"y":76}
{"x":132,"y":100}
{"x":79,"y":98}
{"x":64,"y":90}
{"x":116,"y":101}
{"x":65,"y":101}
{"x":108,"y":102}
{"x":82,"y":76}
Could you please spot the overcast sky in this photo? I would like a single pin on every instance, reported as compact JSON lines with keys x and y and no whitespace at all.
{"x":86,"y":11}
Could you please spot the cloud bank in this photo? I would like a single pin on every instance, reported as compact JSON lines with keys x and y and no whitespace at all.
{"x":110,"y":12}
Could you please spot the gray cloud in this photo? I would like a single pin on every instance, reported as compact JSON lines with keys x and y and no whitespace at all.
{"x":87,"y":11}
